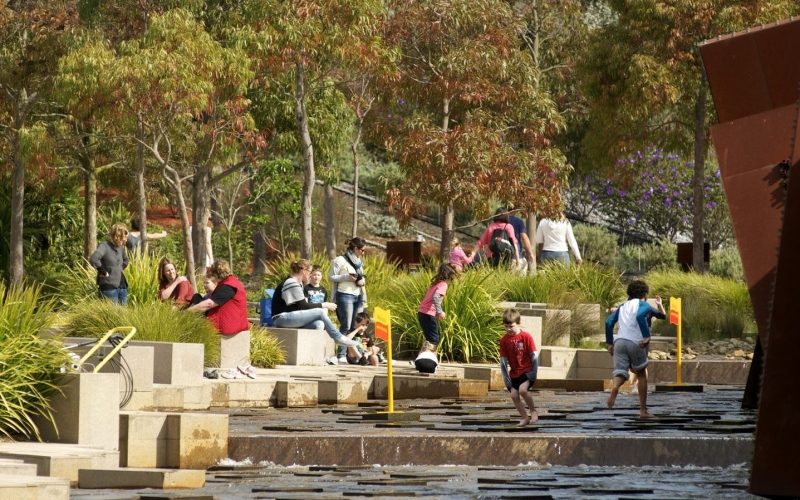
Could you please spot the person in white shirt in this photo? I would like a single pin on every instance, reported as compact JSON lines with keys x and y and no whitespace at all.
{"x":556,"y":238}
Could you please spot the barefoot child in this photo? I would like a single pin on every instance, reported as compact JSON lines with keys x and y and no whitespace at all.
{"x":430,"y":310}
{"x":518,"y":364}
{"x":630,"y":347}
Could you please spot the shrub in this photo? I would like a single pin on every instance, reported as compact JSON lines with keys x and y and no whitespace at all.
{"x":265,"y":348}
{"x":597,"y":244}
{"x":727,"y":263}
{"x":385,"y":226}
{"x":712,"y":307}
{"x":29,"y":366}
{"x":155,"y":321}
{"x":472,"y":328}
{"x":656,"y":256}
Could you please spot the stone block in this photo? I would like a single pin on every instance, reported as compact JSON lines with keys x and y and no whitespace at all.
{"x":559,"y":373}
{"x":15,"y":467}
{"x":557,"y":357}
{"x":490,"y":374}
{"x":176,"y":363}
{"x":305,"y":347}
{"x":140,"y":401}
{"x":532,"y":325}
{"x":590,"y":358}
{"x":428,"y":387}
{"x":141,"y":478}
{"x":58,"y":459}
{"x":234,"y":350}
{"x":168,"y":397}
{"x":592,"y":314}
{"x":296,"y":393}
{"x":143,"y":439}
{"x":595,"y":373}
{"x":343,"y":391}
{"x":725,"y":372}
{"x":243,"y":393}
{"x":14,"y":487}
{"x":557,"y":327}
{"x":196,"y":441}
{"x":197,"y":397}
{"x":85,"y":411}
{"x":571,"y":385}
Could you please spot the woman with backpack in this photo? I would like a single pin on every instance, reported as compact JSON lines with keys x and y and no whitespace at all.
{"x":349,"y":287}
{"x":500,"y":240}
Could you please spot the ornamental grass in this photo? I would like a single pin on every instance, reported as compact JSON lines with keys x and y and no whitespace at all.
{"x":266,"y":351}
{"x":155,"y":321}
{"x":29,"y":366}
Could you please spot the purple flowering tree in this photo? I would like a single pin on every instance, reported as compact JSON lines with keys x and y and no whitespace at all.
{"x":651,"y":193}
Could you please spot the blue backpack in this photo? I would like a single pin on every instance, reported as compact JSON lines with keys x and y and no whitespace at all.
{"x":266,"y":308}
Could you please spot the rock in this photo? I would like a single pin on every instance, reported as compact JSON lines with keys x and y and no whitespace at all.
{"x":690,"y":356}
{"x":738,"y":353}
{"x":750,"y":340}
{"x":749,"y":355}
{"x":673,"y":352}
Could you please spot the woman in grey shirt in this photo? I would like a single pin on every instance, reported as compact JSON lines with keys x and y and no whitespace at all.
{"x":110,"y":259}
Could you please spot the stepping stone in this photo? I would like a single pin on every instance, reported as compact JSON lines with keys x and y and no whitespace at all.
{"x":513,"y":487}
{"x":616,"y":491}
{"x":399,"y":493}
{"x":182,"y":496}
{"x":287,"y":490}
{"x":587,"y":474}
{"x":340,"y":467}
{"x":393,"y":482}
{"x":390,"y":425}
{"x":393,"y":417}
{"x":141,"y":478}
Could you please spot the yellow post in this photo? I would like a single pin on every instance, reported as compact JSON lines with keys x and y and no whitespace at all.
{"x":675,"y":319}
{"x":383,"y":330}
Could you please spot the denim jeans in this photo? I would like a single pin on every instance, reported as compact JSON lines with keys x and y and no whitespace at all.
{"x":347,"y":306}
{"x":548,"y":255}
{"x":314,"y":319}
{"x":116,"y":295}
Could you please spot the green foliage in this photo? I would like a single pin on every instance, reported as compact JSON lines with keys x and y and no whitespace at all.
{"x":29,"y":366}
{"x":472,"y":329}
{"x":713,"y":307}
{"x":279,"y":269}
{"x":659,"y":255}
{"x":78,"y":285}
{"x":154,"y":321}
{"x":727,"y":263}
{"x":265,"y":349}
{"x":597,"y":243}
{"x":385,"y":226}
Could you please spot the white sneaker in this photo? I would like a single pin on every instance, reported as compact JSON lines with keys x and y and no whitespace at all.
{"x":232,"y":373}
{"x":343,"y":360}
{"x":331,"y":361}
{"x":247,"y":370}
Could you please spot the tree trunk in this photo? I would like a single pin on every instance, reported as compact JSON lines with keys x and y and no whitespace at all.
{"x":200,"y":210}
{"x":140,"y":186}
{"x":175,"y":182}
{"x":89,"y":209}
{"x":330,"y":222}
{"x":259,"y":252}
{"x":354,"y":149}
{"x":447,"y":232}
{"x":16,"y":270}
{"x":698,"y":210}
{"x":309,"y":176}
{"x":531,"y":223}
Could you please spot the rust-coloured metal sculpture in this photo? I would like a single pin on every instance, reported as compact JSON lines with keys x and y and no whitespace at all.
{"x":754,"y":77}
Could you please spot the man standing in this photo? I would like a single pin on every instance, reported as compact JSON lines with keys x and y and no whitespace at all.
{"x":523,"y":243}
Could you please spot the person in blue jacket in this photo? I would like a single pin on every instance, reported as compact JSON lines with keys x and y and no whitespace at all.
{"x":633,"y":337}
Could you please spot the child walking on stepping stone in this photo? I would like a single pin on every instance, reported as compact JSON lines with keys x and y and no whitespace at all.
{"x":519,"y":365}
{"x":630,"y":347}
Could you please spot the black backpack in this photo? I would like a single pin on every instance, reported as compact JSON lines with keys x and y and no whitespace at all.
{"x":501,"y":242}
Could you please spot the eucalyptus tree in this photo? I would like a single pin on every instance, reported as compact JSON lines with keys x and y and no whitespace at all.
{"x":466,"y":119}
{"x":312,"y":40}
{"x":32,"y":35}
{"x":645,"y":83}
{"x":181,"y":97}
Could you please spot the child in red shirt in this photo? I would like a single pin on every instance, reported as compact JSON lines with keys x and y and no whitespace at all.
{"x":518,"y":364}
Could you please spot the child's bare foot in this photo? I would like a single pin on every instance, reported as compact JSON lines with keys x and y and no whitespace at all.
{"x":523,"y":422}
{"x":534,"y":417}
{"x":612,"y":397}
{"x":644,"y":414}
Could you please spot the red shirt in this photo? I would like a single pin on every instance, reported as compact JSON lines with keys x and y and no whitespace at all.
{"x":181,"y":294}
{"x":517,"y":350}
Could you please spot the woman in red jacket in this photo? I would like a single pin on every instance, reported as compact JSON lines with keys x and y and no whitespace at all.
{"x":227,"y":305}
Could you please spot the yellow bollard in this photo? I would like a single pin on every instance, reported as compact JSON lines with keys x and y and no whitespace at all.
{"x":675,"y":319}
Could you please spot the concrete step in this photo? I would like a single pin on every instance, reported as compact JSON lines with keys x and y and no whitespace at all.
{"x":60,"y":459}
{"x":13,"y":487}
{"x":551,"y":373}
{"x":16,"y":467}
{"x":142,"y":478}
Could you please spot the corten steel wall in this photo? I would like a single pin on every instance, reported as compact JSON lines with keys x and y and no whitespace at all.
{"x":754,"y":77}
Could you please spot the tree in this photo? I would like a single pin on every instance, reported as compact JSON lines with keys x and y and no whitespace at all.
{"x":313,"y":40}
{"x":467,"y":120}
{"x":31,"y":40}
{"x":644,"y":79}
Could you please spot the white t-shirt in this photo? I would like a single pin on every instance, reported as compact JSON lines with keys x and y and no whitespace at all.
{"x":556,"y":235}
